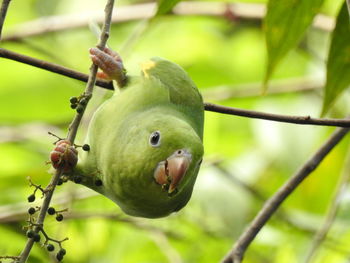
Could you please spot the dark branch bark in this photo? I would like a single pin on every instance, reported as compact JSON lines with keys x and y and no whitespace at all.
{"x":270,"y":207}
{"x":52,"y":67}
{"x":73,"y":128}
{"x":304,"y":120}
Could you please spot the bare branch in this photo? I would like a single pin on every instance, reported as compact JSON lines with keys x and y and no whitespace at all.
{"x":52,"y":67}
{"x":333,"y":208}
{"x":241,"y":11}
{"x":270,"y":207}
{"x":73,"y":128}
{"x":304,"y":120}
{"x":3,"y":11}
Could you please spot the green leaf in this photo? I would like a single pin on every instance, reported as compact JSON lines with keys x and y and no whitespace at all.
{"x":285,"y":23}
{"x":164,"y":6}
{"x":338,"y":65}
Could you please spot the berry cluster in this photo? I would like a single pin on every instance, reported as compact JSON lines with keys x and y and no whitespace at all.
{"x":78,"y":103}
{"x":34,"y":231}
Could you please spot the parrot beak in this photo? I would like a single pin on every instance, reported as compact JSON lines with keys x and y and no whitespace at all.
{"x":170,"y":172}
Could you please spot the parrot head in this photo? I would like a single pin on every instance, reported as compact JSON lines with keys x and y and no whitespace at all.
{"x":152,"y":163}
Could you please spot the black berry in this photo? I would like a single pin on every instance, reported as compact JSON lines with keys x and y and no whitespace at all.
{"x":80,"y":108}
{"x":86,"y":147}
{"x":98,"y":182}
{"x":51,"y":211}
{"x":62,"y":251}
{"x":77,"y":179}
{"x":36,"y":237}
{"x":74,"y":106}
{"x":50,"y":247}
{"x":60,"y":181}
{"x":73,"y":100}
{"x":83,"y":102}
{"x":31,"y":198}
{"x":59,"y":217}
{"x":30,"y":233}
{"x":59,"y":257}
{"x":31,"y":210}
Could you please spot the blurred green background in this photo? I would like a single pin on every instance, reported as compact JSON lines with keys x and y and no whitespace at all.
{"x":227,"y":60}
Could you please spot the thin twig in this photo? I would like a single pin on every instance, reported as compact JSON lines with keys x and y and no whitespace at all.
{"x":3,"y":11}
{"x":52,"y":67}
{"x":333,"y":208}
{"x":304,"y":120}
{"x":270,"y":207}
{"x":73,"y":128}
{"x":348,"y":4}
{"x":240,"y":11}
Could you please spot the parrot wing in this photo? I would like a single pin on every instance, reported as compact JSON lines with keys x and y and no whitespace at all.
{"x":182,"y":91}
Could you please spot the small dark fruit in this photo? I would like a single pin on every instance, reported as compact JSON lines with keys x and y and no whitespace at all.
{"x":59,"y":217}
{"x":77,"y":179}
{"x":98,"y":182}
{"x":59,"y":257}
{"x":80,"y":108}
{"x":73,"y":100}
{"x":74,"y":106}
{"x":31,"y":198}
{"x":50,"y":247}
{"x":31,"y":210}
{"x":62,"y":251}
{"x":60,"y":182}
{"x":36,"y":237}
{"x":86,"y":147}
{"x":83,"y":101}
{"x":30,"y":233}
{"x":51,"y":211}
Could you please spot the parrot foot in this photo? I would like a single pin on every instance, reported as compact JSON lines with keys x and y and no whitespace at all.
{"x":110,"y":63}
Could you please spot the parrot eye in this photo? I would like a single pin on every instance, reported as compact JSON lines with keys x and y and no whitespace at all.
{"x":154,"y":139}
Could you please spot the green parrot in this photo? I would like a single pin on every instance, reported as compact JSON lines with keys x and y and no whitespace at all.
{"x":146,"y":141}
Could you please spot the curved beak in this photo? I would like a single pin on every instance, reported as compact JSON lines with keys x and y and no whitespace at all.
{"x":170,"y":172}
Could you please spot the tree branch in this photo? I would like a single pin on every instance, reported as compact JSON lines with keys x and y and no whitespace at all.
{"x":73,"y":128}
{"x":304,"y":120}
{"x":238,"y":11}
{"x":52,"y":67}
{"x":3,"y":11}
{"x":270,"y":207}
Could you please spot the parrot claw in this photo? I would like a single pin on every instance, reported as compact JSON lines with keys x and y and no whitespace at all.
{"x":110,"y":63}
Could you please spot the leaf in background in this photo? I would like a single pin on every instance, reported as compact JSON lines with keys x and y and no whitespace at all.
{"x":338,"y":65}
{"x":285,"y":23}
{"x":164,"y":6}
